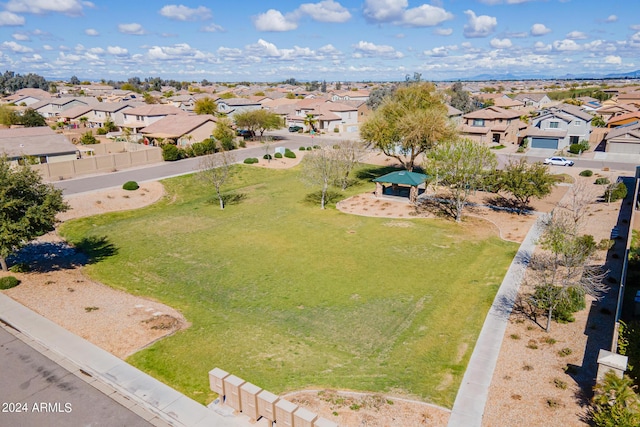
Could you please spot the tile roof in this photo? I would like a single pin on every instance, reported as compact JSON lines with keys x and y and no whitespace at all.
{"x":34,"y":141}
{"x":174,"y":126}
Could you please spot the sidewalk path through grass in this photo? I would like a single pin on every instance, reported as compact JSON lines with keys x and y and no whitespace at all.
{"x":471,"y":399}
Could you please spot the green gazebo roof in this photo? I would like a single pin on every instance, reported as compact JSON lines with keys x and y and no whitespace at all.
{"x":403,"y":178}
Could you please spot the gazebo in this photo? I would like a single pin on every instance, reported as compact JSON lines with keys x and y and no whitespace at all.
{"x":399,"y":181}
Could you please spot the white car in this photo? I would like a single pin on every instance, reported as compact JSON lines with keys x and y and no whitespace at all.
{"x":558,"y":161}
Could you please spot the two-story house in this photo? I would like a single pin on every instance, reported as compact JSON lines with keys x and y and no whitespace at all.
{"x":328,"y":116}
{"x":141,"y":117}
{"x":232,"y":106}
{"x":493,"y":125}
{"x":559,"y":127}
{"x":53,"y":107}
{"x":535,"y":100}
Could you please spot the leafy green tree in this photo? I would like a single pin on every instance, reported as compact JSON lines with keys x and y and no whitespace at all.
{"x":31,"y":118}
{"x":460,"y":98}
{"x":8,"y":116}
{"x":87,"y":138}
{"x":258,"y":121}
{"x":223,"y":132}
{"x":84,"y":120}
{"x":109,"y":126}
{"x":460,"y":166}
{"x":409,"y":123}
{"x":524,"y":181}
{"x":615,"y":403}
{"x":28,"y":207}
{"x":598,"y":122}
{"x":74,"y":81}
{"x":206,"y":106}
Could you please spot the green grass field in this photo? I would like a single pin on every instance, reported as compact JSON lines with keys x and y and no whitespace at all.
{"x":288,"y":296}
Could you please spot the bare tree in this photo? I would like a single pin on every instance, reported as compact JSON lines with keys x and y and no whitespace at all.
{"x":322,"y":167}
{"x":350,"y":153}
{"x":215,"y":169}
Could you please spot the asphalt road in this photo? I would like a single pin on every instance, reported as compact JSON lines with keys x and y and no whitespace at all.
{"x":281,"y":138}
{"x":37,"y":392}
{"x":181,"y":167}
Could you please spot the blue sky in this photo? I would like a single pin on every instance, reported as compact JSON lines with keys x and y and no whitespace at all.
{"x":357,"y":40}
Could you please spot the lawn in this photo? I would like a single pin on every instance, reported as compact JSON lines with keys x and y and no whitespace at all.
{"x":288,"y":296}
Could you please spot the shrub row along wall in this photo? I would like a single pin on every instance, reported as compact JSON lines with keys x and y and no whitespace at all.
{"x":256,"y":403}
{"x":99,"y":163}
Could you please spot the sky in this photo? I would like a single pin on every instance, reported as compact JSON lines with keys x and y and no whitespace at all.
{"x":332,"y":40}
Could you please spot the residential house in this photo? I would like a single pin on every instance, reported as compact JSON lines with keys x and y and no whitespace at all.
{"x":232,"y":106}
{"x":559,"y":127}
{"x":493,"y":124}
{"x":535,"y":100}
{"x":113,"y":111}
{"x":27,"y":96}
{"x":350,"y":95}
{"x":119,"y":95}
{"x":454,"y":114}
{"x":508,"y":103}
{"x":623,"y":119}
{"x":39,"y":143}
{"x":624,"y":139}
{"x":141,"y":117}
{"x":629,"y":98}
{"x":329,"y":116}
{"x":607,"y":112}
{"x":53,"y":107}
{"x":183,"y":129}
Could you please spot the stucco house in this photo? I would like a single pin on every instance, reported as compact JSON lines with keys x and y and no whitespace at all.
{"x":329,"y":116}
{"x":493,"y":125}
{"x":141,"y":117}
{"x":41,"y":144}
{"x":535,"y":100}
{"x":53,"y":107}
{"x":624,"y":139}
{"x":232,"y":106}
{"x":559,"y":127}
{"x":26,"y":96}
{"x":182,"y":129}
{"x":607,"y":112}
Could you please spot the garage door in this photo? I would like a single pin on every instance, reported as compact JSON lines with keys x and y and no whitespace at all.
{"x":544,"y":143}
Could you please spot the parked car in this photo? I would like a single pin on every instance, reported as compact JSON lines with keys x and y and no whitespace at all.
{"x":295,"y":128}
{"x":558,"y":161}
{"x":245,"y":133}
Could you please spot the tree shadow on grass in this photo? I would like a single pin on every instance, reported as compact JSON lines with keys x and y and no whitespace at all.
{"x":53,"y":256}
{"x":228,"y":199}
{"x":511,"y":205}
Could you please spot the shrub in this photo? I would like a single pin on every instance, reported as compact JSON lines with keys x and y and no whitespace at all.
{"x":251,"y":160}
{"x":171,"y":153}
{"x":87,"y":138}
{"x":615,"y":403}
{"x":586,"y":172}
{"x":8,"y":282}
{"x":290,"y":154}
{"x":101,"y":131}
{"x":316,"y":147}
{"x":278,"y":155}
{"x":581,"y":147}
{"x":336,"y":130}
{"x":563,"y":312}
{"x":228,"y":145}
{"x":130,"y":186}
{"x":267,"y":157}
{"x":565,"y":352}
{"x":615,"y":192}
{"x":602,"y":181}
{"x":208,"y":146}
{"x":302,"y":148}
{"x":21,"y":267}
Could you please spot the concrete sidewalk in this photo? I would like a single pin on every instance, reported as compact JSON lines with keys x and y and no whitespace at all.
{"x":154,"y":401}
{"x":468,"y":408}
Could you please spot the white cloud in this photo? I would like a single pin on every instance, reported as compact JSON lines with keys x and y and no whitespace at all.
{"x":501,"y":43}
{"x":440,"y":51}
{"x":117,"y":51}
{"x":133,"y":28}
{"x":184,"y":13}
{"x":611,"y":18}
{"x":273,"y":20}
{"x":539,"y":30}
{"x":566,"y":45}
{"x":397,"y":12}
{"x":576,"y":35}
{"x":613,"y":59}
{"x":8,"y":19}
{"x":68,"y":7}
{"x":91,"y":32}
{"x":16,"y":47}
{"x":21,"y":37}
{"x":443,"y":31}
{"x":47,"y":47}
{"x":368,"y":49}
{"x":541,"y":47}
{"x":213,"y":28}
{"x":384,"y":10}
{"x":325,"y":11}
{"x":479,"y":26}
{"x":494,"y":2}
{"x":178,"y":51}
{"x":426,"y":16}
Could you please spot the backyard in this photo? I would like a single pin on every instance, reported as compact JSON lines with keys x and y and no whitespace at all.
{"x":288,"y":296}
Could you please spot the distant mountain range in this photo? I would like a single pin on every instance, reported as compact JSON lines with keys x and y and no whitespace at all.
{"x":515,"y":77}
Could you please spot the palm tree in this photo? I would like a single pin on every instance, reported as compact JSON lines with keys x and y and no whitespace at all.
{"x":84,"y":120}
{"x":311,"y":122}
